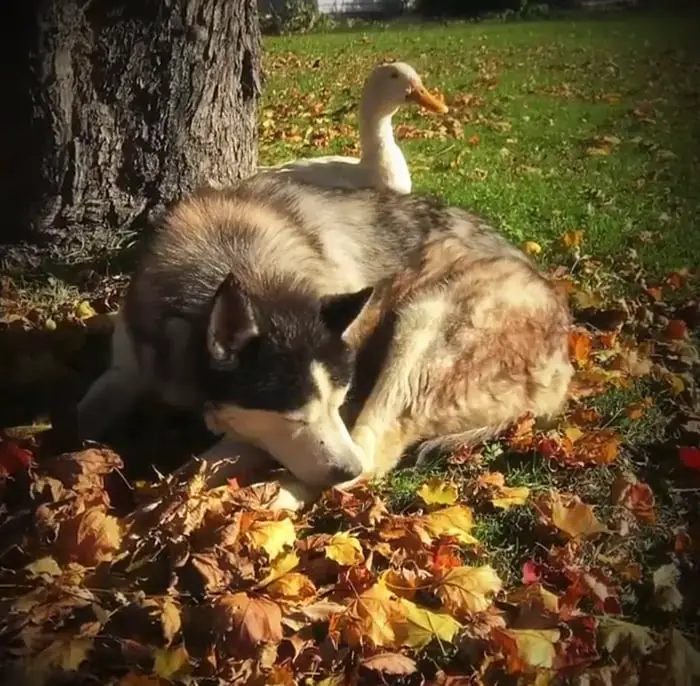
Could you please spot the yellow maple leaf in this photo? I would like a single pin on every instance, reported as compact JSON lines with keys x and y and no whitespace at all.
{"x":171,"y":661}
{"x":467,"y":590}
{"x":281,"y":565}
{"x":435,"y":491}
{"x":419,"y":626}
{"x":64,"y":654}
{"x":573,"y":517}
{"x":572,"y":239}
{"x":344,"y":549}
{"x":372,"y":616}
{"x":529,"y":647}
{"x":272,"y":536}
{"x":292,"y":586}
{"x":454,"y":521}
{"x":170,"y":620}
{"x":510,"y":496}
{"x":84,"y":310}
{"x":532,"y":248}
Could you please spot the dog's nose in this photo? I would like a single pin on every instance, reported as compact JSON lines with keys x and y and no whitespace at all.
{"x":338,"y":474}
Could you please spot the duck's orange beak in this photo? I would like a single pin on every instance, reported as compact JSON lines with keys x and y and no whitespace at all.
{"x":419,"y":94}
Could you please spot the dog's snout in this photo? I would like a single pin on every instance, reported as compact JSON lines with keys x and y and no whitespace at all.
{"x":338,"y":474}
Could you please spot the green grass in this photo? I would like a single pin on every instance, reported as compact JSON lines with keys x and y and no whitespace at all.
{"x":558,"y":84}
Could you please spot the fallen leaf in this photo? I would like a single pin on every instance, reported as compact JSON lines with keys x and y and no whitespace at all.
{"x":294,"y":586}
{"x":253,"y":620}
{"x":615,"y":632}
{"x":344,"y":549}
{"x":395,"y":664}
{"x":171,"y":662}
{"x":676,"y":329}
{"x":511,"y":496}
{"x":452,"y":521}
{"x":532,"y":248}
{"x":372,"y":616}
{"x":170,"y":620}
{"x":435,"y":491}
{"x":62,"y":654}
{"x":468,"y":590}
{"x":272,"y":536}
{"x":420,"y":626}
{"x":13,"y":459}
{"x":635,"y":496}
{"x":571,"y":516}
{"x":527,"y":648}
{"x":572,"y":239}
{"x":580,"y":348}
{"x":690,"y":456}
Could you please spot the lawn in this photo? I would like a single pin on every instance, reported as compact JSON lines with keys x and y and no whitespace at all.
{"x":559,"y":554}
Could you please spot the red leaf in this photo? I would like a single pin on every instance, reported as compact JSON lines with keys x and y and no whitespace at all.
{"x":690,"y":456}
{"x":13,"y":458}
{"x":531,"y":572}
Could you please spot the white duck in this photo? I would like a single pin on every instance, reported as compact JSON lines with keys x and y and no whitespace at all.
{"x":381,"y":163}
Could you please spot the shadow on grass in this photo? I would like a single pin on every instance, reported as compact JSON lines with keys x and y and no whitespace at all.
{"x":43,"y":374}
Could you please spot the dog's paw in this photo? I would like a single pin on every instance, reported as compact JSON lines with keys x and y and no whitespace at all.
{"x":366,"y":441}
{"x":293,"y":496}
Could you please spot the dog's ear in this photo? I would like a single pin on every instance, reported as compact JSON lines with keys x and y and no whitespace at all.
{"x":339,"y":311}
{"x":232,"y":323}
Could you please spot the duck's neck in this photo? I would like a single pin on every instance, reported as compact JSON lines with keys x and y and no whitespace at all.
{"x":376,"y":136}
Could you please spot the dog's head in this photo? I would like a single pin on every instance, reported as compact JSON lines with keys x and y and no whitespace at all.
{"x":277,"y":372}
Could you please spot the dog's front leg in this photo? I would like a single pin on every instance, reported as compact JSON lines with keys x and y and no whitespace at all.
{"x":249,"y":465}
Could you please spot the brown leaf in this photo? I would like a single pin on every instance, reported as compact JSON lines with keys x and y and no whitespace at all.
{"x":90,"y":538}
{"x":394,"y":664}
{"x":294,"y":586}
{"x":635,"y":496}
{"x":251,"y":620}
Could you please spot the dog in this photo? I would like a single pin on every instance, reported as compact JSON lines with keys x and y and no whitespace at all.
{"x":334,"y":329}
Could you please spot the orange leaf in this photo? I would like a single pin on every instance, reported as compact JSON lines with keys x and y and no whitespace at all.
{"x":579,"y":347}
{"x":677,"y":329}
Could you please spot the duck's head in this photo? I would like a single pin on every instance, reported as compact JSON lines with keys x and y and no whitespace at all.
{"x":393,"y":84}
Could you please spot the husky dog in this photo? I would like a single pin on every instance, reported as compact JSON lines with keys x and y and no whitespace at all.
{"x":333,"y":329}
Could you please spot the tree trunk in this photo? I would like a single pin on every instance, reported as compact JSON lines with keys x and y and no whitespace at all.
{"x":113,"y":108}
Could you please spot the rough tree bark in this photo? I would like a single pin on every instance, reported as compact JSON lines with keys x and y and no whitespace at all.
{"x":115,"y":107}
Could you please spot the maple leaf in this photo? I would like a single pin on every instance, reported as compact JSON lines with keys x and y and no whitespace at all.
{"x":592,"y":583}
{"x":635,"y":496}
{"x":468,"y":590}
{"x":690,"y":456}
{"x":13,"y":459}
{"x":61,"y":655}
{"x":271,"y":536}
{"x":502,"y":496}
{"x":572,"y":239}
{"x":251,"y":620}
{"x":170,"y":663}
{"x":676,"y":330}
{"x":292,"y":586}
{"x":531,"y":248}
{"x":453,"y":521}
{"x":394,"y":664}
{"x":344,"y":549}
{"x":435,"y":491}
{"x":527,"y":648}
{"x":170,"y":620}
{"x":599,"y":447}
{"x":372,"y":616}
{"x":615,"y":632}
{"x":580,"y":345}
{"x":570,"y":515}
{"x":420,"y":626}
{"x":90,"y":538}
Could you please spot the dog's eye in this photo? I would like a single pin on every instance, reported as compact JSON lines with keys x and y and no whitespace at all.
{"x":394,"y":75}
